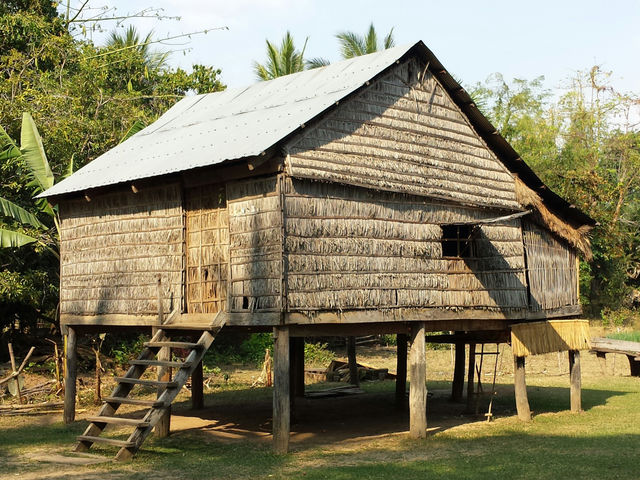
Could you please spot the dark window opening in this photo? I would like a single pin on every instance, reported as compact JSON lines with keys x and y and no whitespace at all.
{"x":457,"y":241}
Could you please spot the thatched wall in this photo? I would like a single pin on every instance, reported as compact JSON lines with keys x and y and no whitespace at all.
{"x":114,"y":248}
{"x":207,"y":246}
{"x":354,"y":248}
{"x":552,"y":269}
{"x":256,"y":245}
{"x":403,"y":133}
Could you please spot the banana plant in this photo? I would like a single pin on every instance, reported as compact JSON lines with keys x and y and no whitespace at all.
{"x":31,"y":153}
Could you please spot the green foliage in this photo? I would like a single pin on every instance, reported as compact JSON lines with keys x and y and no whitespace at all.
{"x":281,"y":61}
{"x":627,"y":336}
{"x":354,"y":45}
{"x":126,"y":349}
{"x":389,"y":340}
{"x":317,"y":354}
{"x":585,"y":147}
{"x":621,"y":317}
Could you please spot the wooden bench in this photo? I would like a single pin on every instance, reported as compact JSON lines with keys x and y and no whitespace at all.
{"x":601,"y":346}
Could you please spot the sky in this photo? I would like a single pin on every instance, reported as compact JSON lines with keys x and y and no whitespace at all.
{"x":473,"y":39}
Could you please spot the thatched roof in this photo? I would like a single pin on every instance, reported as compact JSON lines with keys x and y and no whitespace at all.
{"x":215,"y":128}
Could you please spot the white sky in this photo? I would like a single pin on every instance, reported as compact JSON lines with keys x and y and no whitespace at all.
{"x":473,"y":39}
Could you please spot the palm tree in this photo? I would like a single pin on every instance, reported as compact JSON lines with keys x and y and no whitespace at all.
{"x":131,"y":41}
{"x":281,"y":61}
{"x":354,"y":45}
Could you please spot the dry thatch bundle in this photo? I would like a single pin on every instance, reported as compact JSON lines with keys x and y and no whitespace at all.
{"x":577,"y":237}
{"x":549,"y":336}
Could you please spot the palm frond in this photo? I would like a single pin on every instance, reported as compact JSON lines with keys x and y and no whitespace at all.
{"x":389,"y":41}
{"x":351,"y":44}
{"x":9,"y":238}
{"x":317,"y":62}
{"x":371,"y":40}
{"x":33,"y":154}
{"x":19,"y":214}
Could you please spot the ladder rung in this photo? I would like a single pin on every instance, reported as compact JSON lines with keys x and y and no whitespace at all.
{"x":188,"y":345}
{"x":149,"y":383}
{"x":160,"y":363}
{"x":109,"y":441}
{"x":135,"y":422}
{"x":134,"y":401}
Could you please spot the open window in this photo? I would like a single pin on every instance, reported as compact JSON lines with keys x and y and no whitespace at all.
{"x":457,"y":241}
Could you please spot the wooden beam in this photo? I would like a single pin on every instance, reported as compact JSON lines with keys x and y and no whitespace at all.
{"x":520,"y":386}
{"x":70,"y":375}
{"x":197,"y":388}
{"x":457,"y":386}
{"x":281,"y":390}
{"x":347,"y":329}
{"x":490,"y":336}
{"x":401,"y":370}
{"x":418,"y":385}
{"x":471,"y":379}
{"x":296,"y":359}
{"x":354,"y":377}
{"x":576,"y":381}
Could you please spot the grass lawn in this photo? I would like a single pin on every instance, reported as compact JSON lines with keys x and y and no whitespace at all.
{"x":363,"y":437}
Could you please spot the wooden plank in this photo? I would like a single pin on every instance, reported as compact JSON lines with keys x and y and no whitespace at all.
{"x":168,"y":344}
{"x":197,"y":388}
{"x":520,"y":386}
{"x":132,"y":401}
{"x":576,"y":381}
{"x":108,"y":441}
{"x":149,"y":383}
{"x":401,"y":370}
{"x":135,"y":422}
{"x":70,"y":376}
{"x":418,"y":385}
{"x":457,"y":385}
{"x":281,"y":390}
{"x":611,"y":345}
{"x":160,"y":363}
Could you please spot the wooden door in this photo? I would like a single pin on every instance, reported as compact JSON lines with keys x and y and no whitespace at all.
{"x":207,"y":249}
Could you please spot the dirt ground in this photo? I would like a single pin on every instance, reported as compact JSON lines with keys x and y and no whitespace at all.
{"x":235,"y":412}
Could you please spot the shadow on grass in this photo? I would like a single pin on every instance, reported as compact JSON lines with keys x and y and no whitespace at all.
{"x":230,"y":438}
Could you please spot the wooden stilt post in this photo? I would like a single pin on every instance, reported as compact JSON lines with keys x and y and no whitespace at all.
{"x":296,"y":358}
{"x":163,"y":427}
{"x":522,"y":402}
{"x":471,"y":379}
{"x":576,"y":381}
{"x":70,"y":375}
{"x":281,"y":390}
{"x":401,"y":370}
{"x":197,"y":388}
{"x":354,"y":376}
{"x":457,"y":386}
{"x":418,"y":385}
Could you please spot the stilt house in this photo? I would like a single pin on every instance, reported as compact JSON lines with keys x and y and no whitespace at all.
{"x":368,"y":196}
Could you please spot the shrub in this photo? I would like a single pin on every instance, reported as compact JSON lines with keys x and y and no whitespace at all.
{"x":317,"y":354}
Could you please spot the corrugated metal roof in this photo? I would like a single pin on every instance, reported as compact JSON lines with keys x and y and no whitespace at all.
{"x":209,"y":129}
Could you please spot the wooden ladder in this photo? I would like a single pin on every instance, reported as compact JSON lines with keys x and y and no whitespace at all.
{"x":156,"y":408}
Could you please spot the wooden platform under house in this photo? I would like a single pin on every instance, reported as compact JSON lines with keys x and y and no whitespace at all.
{"x":369,"y":196}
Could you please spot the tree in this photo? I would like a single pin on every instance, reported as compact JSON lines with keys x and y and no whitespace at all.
{"x":585,"y":146}
{"x":281,"y":61}
{"x":354,"y":45}
{"x":131,"y":40}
